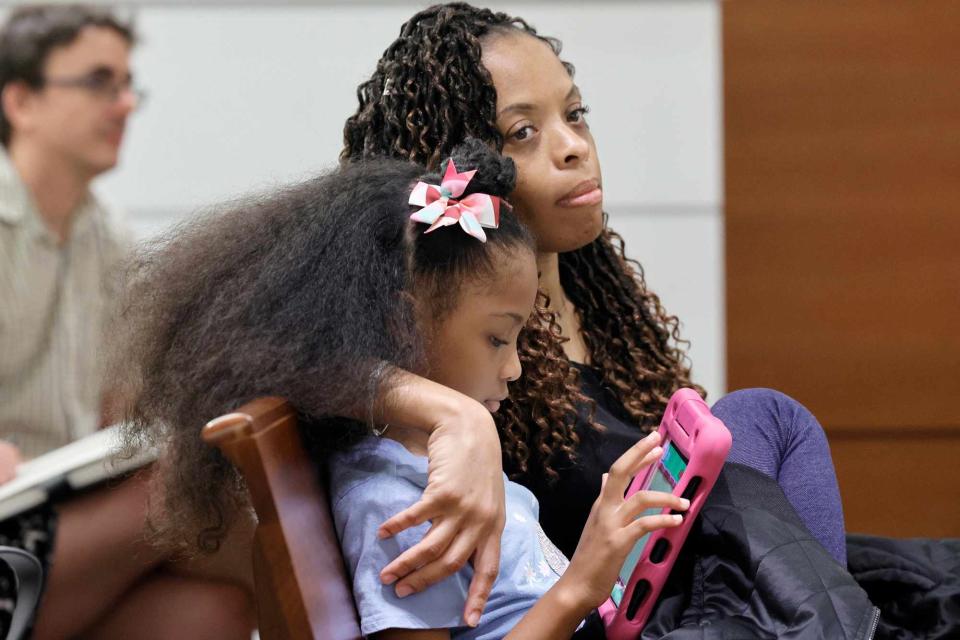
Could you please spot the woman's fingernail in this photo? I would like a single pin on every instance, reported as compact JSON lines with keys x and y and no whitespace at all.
{"x":684,"y":503}
{"x":388,"y":578}
{"x":653,"y":435}
{"x":404,"y":590}
{"x":474,"y":618}
{"x":677,"y":517}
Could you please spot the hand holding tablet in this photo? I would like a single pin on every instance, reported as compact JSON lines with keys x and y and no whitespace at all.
{"x":695,"y":444}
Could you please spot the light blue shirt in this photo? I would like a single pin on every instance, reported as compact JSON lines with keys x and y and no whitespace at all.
{"x":377,"y":479}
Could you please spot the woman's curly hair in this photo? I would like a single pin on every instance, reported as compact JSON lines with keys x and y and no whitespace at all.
{"x":429,"y":91}
{"x":303,"y":293}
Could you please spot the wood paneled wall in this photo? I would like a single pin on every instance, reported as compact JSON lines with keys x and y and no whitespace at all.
{"x":842,"y":216}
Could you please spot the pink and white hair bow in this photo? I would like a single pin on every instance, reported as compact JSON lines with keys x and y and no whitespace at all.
{"x":441,"y":208}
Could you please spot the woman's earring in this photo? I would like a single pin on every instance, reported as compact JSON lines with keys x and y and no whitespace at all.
{"x":379,"y":431}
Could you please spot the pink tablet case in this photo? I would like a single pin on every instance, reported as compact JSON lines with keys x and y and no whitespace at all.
{"x":695,"y":445}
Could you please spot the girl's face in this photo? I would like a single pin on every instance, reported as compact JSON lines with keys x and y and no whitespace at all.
{"x":473,"y":348}
{"x":541,"y":116}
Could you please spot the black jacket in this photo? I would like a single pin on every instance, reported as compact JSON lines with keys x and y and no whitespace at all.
{"x":751,"y":570}
{"x":916,"y":584}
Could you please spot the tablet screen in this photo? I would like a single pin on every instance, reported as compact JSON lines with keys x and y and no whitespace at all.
{"x":665,"y":477}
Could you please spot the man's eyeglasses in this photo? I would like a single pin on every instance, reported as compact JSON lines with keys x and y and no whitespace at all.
{"x":101,"y":85}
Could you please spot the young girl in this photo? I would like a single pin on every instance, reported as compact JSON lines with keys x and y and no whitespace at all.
{"x":307,"y":294}
{"x":472,"y":299}
{"x":506,"y":84}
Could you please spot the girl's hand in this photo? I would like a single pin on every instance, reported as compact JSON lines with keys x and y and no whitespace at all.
{"x":613,"y":526}
{"x":9,"y":459}
{"x":464,"y":500}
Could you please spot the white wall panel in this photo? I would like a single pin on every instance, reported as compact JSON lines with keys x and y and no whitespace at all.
{"x":244,"y":96}
{"x":681,"y":251}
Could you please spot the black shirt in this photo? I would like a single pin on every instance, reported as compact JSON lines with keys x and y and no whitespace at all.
{"x":565,"y":504}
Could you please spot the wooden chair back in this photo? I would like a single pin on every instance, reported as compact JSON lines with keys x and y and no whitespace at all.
{"x":302,"y":588}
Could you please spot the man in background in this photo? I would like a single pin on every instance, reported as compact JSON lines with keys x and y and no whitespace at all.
{"x":66,"y":93}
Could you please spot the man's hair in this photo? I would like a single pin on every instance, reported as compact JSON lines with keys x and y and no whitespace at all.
{"x":32,"y":32}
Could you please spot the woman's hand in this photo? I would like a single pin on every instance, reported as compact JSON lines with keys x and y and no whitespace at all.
{"x":614,"y":526}
{"x":9,"y":459}
{"x":464,"y":498}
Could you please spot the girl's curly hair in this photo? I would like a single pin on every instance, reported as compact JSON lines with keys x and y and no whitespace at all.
{"x":302,"y":293}
{"x":429,"y":91}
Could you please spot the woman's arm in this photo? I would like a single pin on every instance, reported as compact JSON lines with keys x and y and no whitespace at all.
{"x":464,"y":498}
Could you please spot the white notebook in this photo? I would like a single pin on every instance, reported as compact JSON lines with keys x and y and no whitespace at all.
{"x":80,"y":464}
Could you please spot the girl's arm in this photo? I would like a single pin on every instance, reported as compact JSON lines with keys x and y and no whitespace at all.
{"x":464,"y":498}
{"x":608,"y":536}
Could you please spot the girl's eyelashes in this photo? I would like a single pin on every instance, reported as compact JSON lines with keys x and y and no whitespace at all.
{"x":497,"y":342}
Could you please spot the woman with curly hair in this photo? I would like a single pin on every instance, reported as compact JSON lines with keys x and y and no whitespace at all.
{"x":455,"y":71}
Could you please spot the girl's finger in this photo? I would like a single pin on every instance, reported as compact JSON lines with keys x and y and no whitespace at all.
{"x":650,"y":458}
{"x":642,"y":526}
{"x":643,"y":500}
{"x":633,"y":459}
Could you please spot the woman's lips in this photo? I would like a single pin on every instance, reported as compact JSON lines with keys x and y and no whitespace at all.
{"x":584,"y":194}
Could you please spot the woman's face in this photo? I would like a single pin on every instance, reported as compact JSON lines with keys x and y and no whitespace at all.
{"x":541,"y":116}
